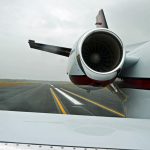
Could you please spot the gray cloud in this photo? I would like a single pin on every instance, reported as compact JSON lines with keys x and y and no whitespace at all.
{"x":60,"y":22}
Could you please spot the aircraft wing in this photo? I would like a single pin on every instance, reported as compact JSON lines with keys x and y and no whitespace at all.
{"x":132,"y":47}
{"x":49,"y":48}
{"x":69,"y":132}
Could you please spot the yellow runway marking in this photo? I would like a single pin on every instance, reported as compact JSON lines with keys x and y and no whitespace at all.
{"x":97,"y":104}
{"x":58,"y":102}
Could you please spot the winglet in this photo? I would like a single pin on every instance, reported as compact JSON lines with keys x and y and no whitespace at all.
{"x":101,"y":20}
{"x":50,"y":48}
{"x":31,"y":43}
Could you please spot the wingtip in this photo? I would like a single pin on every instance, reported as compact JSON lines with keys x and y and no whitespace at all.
{"x":31,"y":41}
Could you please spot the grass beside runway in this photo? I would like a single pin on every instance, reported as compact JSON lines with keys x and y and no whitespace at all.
{"x":11,"y":84}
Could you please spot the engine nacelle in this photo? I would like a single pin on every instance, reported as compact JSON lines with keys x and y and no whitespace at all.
{"x":96,"y":58}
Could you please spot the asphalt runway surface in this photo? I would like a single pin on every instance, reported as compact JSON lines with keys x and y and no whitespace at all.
{"x":59,"y":97}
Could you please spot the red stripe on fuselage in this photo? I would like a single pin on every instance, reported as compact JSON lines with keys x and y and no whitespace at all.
{"x":84,"y":80}
{"x":137,"y":83}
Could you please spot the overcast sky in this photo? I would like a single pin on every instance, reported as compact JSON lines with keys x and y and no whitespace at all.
{"x":60,"y":22}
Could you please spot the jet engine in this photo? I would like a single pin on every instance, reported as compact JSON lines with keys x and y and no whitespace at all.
{"x":99,"y":56}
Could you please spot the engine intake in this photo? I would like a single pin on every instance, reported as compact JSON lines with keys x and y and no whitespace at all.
{"x":102,"y":52}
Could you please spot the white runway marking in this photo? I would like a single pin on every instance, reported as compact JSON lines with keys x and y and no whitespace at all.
{"x":52,"y":85}
{"x":74,"y":101}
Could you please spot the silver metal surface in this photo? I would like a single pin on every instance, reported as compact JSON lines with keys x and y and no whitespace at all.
{"x":18,"y":146}
{"x":92,"y":73}
{"x":74,"y":130}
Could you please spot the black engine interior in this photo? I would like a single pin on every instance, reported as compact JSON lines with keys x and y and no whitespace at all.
{"x":102,"y":52}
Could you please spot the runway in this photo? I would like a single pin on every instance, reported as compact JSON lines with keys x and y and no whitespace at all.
{"x":59,"y":97}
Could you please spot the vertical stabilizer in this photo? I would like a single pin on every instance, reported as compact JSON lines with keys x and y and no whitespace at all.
{"x":101,"y":20}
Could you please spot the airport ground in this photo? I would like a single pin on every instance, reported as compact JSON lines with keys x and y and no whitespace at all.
{"x":59,"y":97}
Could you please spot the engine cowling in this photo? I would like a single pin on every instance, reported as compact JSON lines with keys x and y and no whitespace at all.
{"x":99,"y":54}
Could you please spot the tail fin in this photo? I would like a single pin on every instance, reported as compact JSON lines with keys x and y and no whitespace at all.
{"x":101,"y":20}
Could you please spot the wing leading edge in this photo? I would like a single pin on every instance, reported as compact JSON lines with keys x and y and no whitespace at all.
{"x":50,"y":48}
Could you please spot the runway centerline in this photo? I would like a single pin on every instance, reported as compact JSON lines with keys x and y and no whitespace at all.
{"x":58,"y":102}
{"x":71,"y":99}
